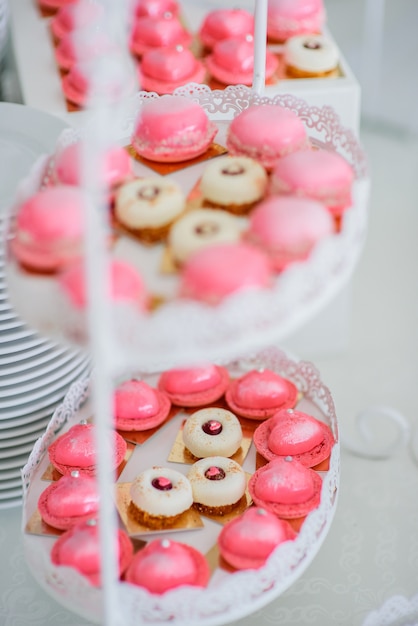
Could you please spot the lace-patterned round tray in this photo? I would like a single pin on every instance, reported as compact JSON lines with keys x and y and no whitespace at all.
{"x":228,"y":596}
{"x":184,"y":331}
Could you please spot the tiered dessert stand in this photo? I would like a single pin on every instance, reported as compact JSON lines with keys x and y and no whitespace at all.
{"x":236,"y":332}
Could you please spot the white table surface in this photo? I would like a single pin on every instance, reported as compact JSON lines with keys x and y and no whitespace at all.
{"x":371,"y":552}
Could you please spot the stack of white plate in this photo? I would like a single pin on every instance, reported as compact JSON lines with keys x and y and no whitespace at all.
{"x":35,"y":373}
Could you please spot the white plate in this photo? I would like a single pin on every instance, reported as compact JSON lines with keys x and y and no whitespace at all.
{"x":57,"y":373}
{"x":21,"y":449}
{"x":9,"y":349}
{"x":10,"y":439}
{"x":17,"y":361}
{"x":13,"y":483}
{"x":17,"y":462}
{"x":25,"y":134}
{"x":18,"y":426}
{"x":36,"y":369}
{"x":10,"y":503}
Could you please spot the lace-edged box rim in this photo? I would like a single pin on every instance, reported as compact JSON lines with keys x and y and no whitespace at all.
{"x":226,"y":599}
{"x":182,"y":331}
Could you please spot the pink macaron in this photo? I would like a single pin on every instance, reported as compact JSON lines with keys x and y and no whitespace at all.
{"x":82,"y":45}
{"x":172,"y":129}
{"x":220,"y":24}
{"x":50,"y":7}
{"x":79,"y":548}
{"x":259,"y":394}
{"x":286,"y":488}
{"x":194,"y":386}
{"x":114,"y":166}
{"x":155,"y":8}
{"x":320,"y":174}
{"x":138,"y":406}
{"x":288,"y":228}
{"x":149,"y":33}
{"x":294,"y":433}
{"x":165,"y":564}
{"x":49,"y":229}
{"x":74,"y":16}
{"x":287,"y":18}
{"x":72,"y":499}
{"x":76,"y":449}
{"x":266,"y":132}
{"x":247,"y":541}
{"x":231,"y":61}
{"x":165,"y":69}
{"x":125,"y":286}
{"x":213,"y":273}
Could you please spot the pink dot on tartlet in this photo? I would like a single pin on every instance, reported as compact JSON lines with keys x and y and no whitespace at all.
{"x":151,"y":32}
{"x":70,"y":500}
{"x":286,"y":488}
{"x":194,"y":386}
{"x":172,"y":129}
{"x":286,"y":18}
{"x":165,"y":69}
{"x":260,"y":394}
{"x":138,"y":406}
{"x":125,"y":285}
{"x":247,"y":541}
{"x":76,"y":449}
{"x":288,"y":228}
{"x":231,"y":61}
{"x":225,"y":23}
{"x":213,"y":273}
{"x":295,"y":433}
{"x":49,"y":229}
{"x":79,"y":548}
{"x":266,"y":132}
{"x":164,"y":564}
{"x":320,"y":174}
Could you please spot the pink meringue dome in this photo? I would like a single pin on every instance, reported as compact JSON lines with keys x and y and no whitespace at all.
{"x":247,"y":541}
{"x":71,"y":499}
{"x":164,"y":565}
{"x":286,"y":482}
{"x":125,"y":286}
{"x":155,"y":8}
{"x":194,"y":386}
{"x":82,"y":45}
{"x":113,"y":168}
{"x":213,"y":273}
{"x":49,"y":229}
{"x":164,"y":69}
{"x":158,"y":32}
{"x":222,"y":24}
{"x":79,"y":548}
{"x":172,"y":129}
{"x":138,"y":406}
{"x":286,"y":18}
{"x":288,"y":228}
{"x":76,"y":15}
{"x":232,"y":61}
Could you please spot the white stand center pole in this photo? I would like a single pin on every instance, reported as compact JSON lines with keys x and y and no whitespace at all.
{"x":260,"y":45}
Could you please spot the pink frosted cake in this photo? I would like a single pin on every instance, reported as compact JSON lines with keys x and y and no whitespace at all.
{"x":247,"y":541}
{"x":220,"y":24}
{"x":288,"y":228}
{"x":259,"y":394}
{"x":212,"y":274}
{"x":49,"y":229}
{"x":164,"y":564}
{"x":149,"y":33}
{"x":294,"y":433}
{"x":311,"y":56}
{"x":74,"y":16}
{"x":195,"y":386}
{"x":172,"y":129}
{"x":319,"y":174}
{"x":165,"y":69}
{"x":79,"y":548}
{"x":286,"y":488}
{"x":113,"y":168}
{"x":72,"y":499}
{"x":218,"y":485}
{"x":76,"y":450}
{"x":266,"y":132}
{"x":138,"y":406}
{"x":286,"y":18}
{"x":231,"y":61}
